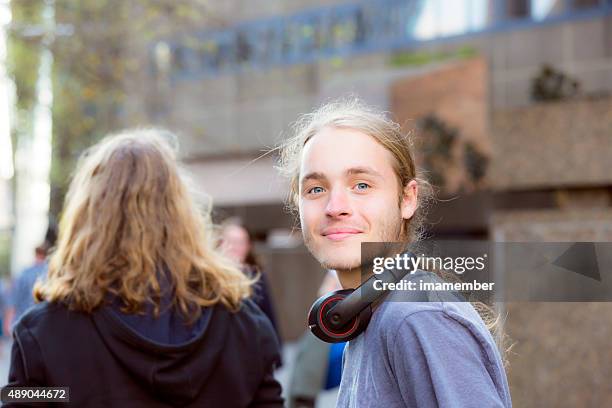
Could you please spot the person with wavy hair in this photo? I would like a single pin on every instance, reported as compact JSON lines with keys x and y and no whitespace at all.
{"x":235,"y":242}
{"x":139,"y":308}
{"x":353,"y":180}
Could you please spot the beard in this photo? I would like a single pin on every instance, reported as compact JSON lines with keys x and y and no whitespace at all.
{"x":349,"y":255}
{"x":338,"y":261}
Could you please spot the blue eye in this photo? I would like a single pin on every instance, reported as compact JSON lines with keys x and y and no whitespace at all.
{"x":316,"y":190}
{"x":362,"y":186}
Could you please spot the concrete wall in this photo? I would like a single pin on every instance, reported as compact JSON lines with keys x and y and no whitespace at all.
{"x":552,"y":144}
{"x":243,"y":112}
{"x":457,"y":93}
{"x":581,"y":49}
{"x":239,"y":181}
{"x":561,"y":355}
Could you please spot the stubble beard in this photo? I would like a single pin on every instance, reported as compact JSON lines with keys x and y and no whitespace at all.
{"x":389,"y":232}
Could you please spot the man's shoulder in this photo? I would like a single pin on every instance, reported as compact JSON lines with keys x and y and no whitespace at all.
{"x":392,"y":316}
{"x":406,"y":306}
{"x":439,"y":325}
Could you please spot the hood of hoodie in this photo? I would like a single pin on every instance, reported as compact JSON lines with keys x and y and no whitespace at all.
{"x":164,"y":353}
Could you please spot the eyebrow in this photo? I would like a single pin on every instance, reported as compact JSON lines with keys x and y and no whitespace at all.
{"x":313,"y":176}
{"x":363,"y":170}
{"x":353,"y":171}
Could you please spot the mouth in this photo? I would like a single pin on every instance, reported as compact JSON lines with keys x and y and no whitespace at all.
{"x":339,"y":234}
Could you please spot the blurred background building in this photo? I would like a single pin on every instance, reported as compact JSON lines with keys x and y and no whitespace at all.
{"x":509,"y":102}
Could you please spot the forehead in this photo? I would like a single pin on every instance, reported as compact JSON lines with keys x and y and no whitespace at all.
{"x":333,"y":151}
{"x":234,"y":231}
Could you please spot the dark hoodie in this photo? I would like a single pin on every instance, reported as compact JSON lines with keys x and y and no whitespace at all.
{"x":111,"y":359}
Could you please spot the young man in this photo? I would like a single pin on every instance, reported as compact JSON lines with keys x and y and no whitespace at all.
{"x":353,"y":180}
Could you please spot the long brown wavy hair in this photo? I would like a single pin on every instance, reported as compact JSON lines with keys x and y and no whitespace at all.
{"x":128,"y":222}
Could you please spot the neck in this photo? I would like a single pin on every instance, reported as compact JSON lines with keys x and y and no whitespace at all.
{"x":349,"y":278}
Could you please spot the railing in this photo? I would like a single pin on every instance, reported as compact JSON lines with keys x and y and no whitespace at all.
{"x":350,"y":29}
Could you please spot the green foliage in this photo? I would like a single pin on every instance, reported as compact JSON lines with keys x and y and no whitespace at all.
{"x":103,"y":53}
{"x":440,"y":140}
{"x":419,"y":58}
{"x":23,"y":53}
{"x":5,"y":252}
{"x":93,"y":67}
{"x":23,"y":60}
{"x":444,"y":148}
{"x":553,"y":85}
{"x":475,"y":162}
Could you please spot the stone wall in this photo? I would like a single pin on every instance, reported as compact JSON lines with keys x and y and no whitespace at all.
{"x":561,"y":355}
{"x":552,"y":144}
{"x":581,"y":49}
{"x":456,"y":93}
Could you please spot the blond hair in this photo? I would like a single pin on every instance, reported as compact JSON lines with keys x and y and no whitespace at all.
{"x":130,"y":221}
{"x":351,"y":113}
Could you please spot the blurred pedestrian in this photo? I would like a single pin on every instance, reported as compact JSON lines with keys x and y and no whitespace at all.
{"x":138,"y":308}
{"x":21,"y":298}
{"x":236,"y":243}
{"x":317,"y":365}
{"x":4,"y":306}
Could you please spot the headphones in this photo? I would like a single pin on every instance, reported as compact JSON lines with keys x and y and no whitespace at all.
{"x":344,"y":314}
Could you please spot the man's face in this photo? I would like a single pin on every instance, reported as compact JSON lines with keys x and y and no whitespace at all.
{"x":348,"y":194}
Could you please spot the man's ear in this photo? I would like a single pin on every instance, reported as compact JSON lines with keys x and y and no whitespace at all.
{"x":410,"y":200}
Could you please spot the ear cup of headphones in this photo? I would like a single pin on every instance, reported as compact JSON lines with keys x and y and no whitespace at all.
{"x":319,"y":323}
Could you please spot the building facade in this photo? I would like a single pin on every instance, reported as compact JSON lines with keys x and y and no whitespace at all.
{"x":534,"y":163}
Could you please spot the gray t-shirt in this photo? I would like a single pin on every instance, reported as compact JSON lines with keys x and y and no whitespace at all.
{"x":423,"y":354}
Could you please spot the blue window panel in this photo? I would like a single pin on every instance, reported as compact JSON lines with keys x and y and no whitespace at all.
{"x":350,"y":29}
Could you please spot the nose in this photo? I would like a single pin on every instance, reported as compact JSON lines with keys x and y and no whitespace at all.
{"x":338,"y":204}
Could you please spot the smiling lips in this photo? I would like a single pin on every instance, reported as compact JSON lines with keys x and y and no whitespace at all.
{"x":338,"y":234}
